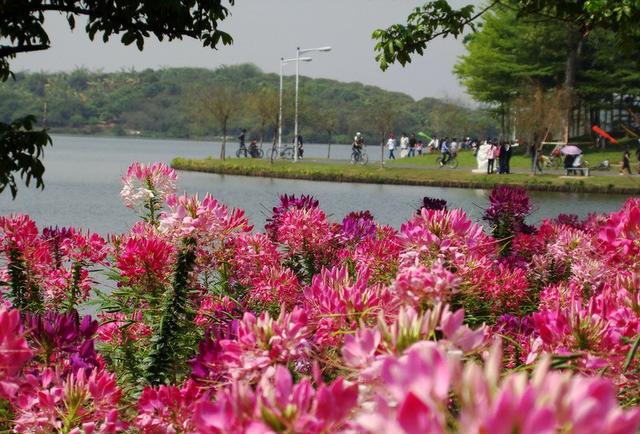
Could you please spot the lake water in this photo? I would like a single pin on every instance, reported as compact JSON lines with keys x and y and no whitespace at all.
{"x":83,"y":183}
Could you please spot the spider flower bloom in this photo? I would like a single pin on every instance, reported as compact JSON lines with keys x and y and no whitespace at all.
{"x":357,"y":226}
{"x":14,"y":351}
{"x":432,"y":203}
{"x":287,"y":202}
{"x":62,"y":339}
{"x":144,"y":184}
{"x":337,"y":303}
{"x":85,"y":401}
{"x":207,"y":220}
{"x":419,"y":285}
{"x":145,"y":260}
{"x":263,"y":341}
{"x":304,"y":231}
{"x":167,"y":409}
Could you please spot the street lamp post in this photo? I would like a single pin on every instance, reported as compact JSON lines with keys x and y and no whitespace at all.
{"x":295,"y":128}
{"x":283,"y":62}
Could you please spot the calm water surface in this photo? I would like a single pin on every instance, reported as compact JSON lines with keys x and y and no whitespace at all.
{"x":83,"y":184}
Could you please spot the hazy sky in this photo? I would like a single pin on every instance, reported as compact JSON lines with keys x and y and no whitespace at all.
{"x":264,"y":31}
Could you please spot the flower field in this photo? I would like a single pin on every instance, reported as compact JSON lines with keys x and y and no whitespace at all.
{"x":310,"y":326}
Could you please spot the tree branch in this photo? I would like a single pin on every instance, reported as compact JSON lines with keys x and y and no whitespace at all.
{"x":6,"y":51}
{"x":61,"y":8}
{"x":466,"y":22}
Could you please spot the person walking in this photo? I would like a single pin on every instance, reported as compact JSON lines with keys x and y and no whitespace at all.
{"x":391,"y":145}
{"x":243,"y":147}
{"x":507,"y":159}
{"x":419,"y":147}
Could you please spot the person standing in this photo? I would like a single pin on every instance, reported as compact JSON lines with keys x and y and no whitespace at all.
{"x":419,"y":147}
{"x":453,"y":147}
{"x":391,"y":145}
{"x":626,"y":162}
{"x":494,"y":153}
{"x":412,"y":145}
{"x":535,"y":158}
{"x":243,"y":147}
{"x":502,"y":159}
{"x":300,"y":146}
{"x":404,"y":145}
{"x":507,"y":160}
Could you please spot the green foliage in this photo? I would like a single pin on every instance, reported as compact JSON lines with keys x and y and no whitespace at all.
{"x":437,"y":19}
{"x":166,"y":103}
{"x":21,"y":148}
{"x":22,"y":30}
{"x":174,"y":342}
{"x":23,"y":22}
{"x":25,"y":295}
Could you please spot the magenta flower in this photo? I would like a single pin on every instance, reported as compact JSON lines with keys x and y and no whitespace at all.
{"x":287,"y":202}
{"x":145,"y":260}
{"x":14,"y":352}
{"x":167,"y":409}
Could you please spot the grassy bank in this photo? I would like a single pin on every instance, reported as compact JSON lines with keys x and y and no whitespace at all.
{"x":466,"y":159}
{"x":374,"y":174}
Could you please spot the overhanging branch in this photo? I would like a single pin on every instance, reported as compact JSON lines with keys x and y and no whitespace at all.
{"x":6,"y":50}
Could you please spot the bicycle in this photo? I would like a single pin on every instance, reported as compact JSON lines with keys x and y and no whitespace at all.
{"x":286,"y":153}
{"x":551,"y":162}
{"x":250,"y":152}
{"x":359,"y":157}
{"x":452,"y":161}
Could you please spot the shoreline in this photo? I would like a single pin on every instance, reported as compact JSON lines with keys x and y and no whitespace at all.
{"x":413,"y":177}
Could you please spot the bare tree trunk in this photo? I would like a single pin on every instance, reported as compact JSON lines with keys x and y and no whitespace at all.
{"x":224,"y":140}
{"x":262,"y":134}
{"x":382,"y":150}
{"x":574,"y":47}
{"x":329,"y":147}
{"x":273,"y":146}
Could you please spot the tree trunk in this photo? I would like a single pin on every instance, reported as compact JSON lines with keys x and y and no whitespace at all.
{"x":382,"y":150}
{"x":224,"y":140}
{"x":273,"y":146}
{"x":574,"y":47}
{"x":262,"y":134}
{"x":329,"y":147}
{"x":503,"y":124}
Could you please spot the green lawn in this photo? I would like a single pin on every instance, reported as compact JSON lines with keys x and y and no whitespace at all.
{"x":373,"y":173}
{"x":466,"y":159}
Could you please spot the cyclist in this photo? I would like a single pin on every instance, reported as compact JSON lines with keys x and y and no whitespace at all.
{"x":444,"y":150}
{"x":358,"y":144}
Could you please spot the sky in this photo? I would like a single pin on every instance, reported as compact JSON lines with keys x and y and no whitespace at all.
{"x":263,"y":32}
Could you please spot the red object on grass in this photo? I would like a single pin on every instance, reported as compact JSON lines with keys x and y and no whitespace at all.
{"x":604,"y":134}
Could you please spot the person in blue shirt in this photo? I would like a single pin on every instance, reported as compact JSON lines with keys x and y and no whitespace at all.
{"x":446,"y":153}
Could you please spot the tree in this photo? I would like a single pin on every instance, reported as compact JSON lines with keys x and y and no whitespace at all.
{"x":219,"y":104}
{"x":510,"y":60}
{"x":328,"y":120}
{"x":265,"y":103}
{"x":381,"y":116}
{"x":438,"y":19}
{"x":22,"y":29}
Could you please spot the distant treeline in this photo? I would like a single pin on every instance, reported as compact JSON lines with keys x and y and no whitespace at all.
{"x":163,"y":103}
